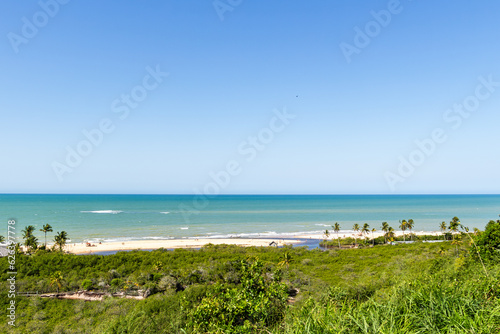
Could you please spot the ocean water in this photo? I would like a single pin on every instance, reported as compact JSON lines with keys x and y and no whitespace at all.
{"x":135,"y":217}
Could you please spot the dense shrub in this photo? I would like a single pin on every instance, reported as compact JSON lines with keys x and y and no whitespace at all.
{"x":87,"y":284}
{"x":487,"y":244}
{"x":259,"y":301}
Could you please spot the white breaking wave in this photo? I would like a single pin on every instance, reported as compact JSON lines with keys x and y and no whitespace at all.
{"x":165,"y":213}
{"x":125,"y":239}
{"x":156,"y":238}
{"x":184,"y":228}
{"x":104,"y":211}
{"x":266,"y":234}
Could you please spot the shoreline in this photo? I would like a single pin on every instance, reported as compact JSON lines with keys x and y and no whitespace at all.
{"x":82,"y":248}
{"x":358,"y":235}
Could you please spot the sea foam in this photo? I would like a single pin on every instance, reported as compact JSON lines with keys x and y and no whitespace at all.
{"x":104,"y":211}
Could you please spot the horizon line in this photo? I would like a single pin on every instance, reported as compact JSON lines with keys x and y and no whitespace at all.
{"x":261,"y":194}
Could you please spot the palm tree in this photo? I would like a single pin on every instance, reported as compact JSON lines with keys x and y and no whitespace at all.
{"x":390,"y":234}
{"x":2,"y":239}
{"x":385,"y":228}
{"x":46,"y":228}
{"x":158,"y":266}
{"x":456,"y":242}
{"x":327,"y":234}
{"x":410,"y":225}
{"x":373,"y":238}
{"x":356,"y":229}
{"x":365,"y":229}
{"x":443,"y":228}
{"x":287,"y":259}
{"x":402,"y":225}
{"x":30,"y":241}
{"x":28,"y":231}
{"x":336,"y":228}
{"x":455,"y":222}
{"x":60,"y":239}
{"x":56,"y":279}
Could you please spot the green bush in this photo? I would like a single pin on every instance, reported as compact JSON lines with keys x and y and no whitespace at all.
{"x":487,"y":244}
{"x":117,"y":283}
{"x":87,"y":284}
{"x":258,"y":302}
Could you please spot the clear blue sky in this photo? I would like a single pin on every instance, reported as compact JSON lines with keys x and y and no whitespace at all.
{"x":354,"y":120}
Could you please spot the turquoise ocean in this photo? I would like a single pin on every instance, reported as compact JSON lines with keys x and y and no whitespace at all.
{"x":140,"y":217}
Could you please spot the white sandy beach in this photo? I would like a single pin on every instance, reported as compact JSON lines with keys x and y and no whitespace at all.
{"x":82,"y":248}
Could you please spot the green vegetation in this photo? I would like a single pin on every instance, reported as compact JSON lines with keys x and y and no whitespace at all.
{"x":487,"y":245}
{"x":404,"y":288}
{"x":257,"y":302}
{"x":388,"y":237}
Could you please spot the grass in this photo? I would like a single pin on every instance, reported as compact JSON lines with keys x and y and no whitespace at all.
{"x":406,"y":288}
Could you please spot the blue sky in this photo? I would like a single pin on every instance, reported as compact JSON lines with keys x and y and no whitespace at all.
{"x":356,"y":118}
